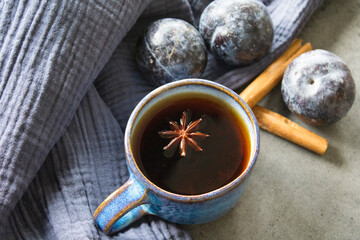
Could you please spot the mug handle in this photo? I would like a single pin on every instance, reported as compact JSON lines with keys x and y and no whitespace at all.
{"x":122,"y":207}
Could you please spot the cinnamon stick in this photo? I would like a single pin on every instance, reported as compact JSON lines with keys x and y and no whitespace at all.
{"x":274,"y":122}
{"x":285,"y":128}
{"x":294,"y":46}
{"x":267,"y":80}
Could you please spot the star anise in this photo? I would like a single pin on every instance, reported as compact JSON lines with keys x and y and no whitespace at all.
{"x":183,"y":134}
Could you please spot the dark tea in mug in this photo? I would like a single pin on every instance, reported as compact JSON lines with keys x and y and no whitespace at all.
{"x":191,"y":144}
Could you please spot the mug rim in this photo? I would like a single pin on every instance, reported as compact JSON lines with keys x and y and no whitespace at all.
{"x":195,"y":197}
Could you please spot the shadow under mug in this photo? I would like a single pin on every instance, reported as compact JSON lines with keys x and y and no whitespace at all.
{"x":139,"y":196}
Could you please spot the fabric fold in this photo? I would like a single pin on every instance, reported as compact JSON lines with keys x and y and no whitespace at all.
{"x":51,"y":51}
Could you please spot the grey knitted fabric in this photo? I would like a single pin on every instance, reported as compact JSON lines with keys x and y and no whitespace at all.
{"x":68,"y":83}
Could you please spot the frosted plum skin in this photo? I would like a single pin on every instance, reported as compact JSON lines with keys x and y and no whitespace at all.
{"x":318,"y":87}
{"x":238,"y":32}
{"x":171,"y":49}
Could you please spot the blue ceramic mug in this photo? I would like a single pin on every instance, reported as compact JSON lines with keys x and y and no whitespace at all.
{"x":139,"y":196}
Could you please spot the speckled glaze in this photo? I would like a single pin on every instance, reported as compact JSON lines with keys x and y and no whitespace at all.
{"x":139,"y":196}
{"x":171,"y":49}
{"x":237,"y":31}
{"x":318,"y":87}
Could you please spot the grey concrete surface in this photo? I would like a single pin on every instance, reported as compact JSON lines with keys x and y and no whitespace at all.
{"x":294,"y":193}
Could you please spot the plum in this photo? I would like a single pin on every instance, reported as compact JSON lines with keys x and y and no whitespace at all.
{"x":318,"y":87}
{"x":171,"y":49}
{"x":238,"y":32}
